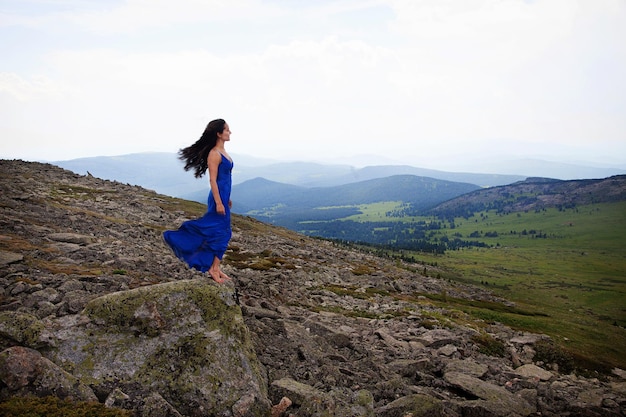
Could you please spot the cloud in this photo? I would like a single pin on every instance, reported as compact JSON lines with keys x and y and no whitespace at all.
{"x":412,"y":78}
{"x":130,"y":16}
{"x":136,"y":15}
{"x":25,"y":90}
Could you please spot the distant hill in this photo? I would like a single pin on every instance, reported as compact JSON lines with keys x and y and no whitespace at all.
{"x":381,"y":171}
{"x":294,"y":206}
{"x":163,"y":172}
{"x":311,"y":174}
{"x":421,"y":192}
{"x":159,"y":171}
{"x":260,"y":193}
{"x":536,"y":194}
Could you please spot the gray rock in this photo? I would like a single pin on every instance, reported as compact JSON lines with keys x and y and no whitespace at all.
{"x":7,"y":258}
{"x":437,"y":338}
{"x":20,"y":329}
{"x":309,"y":400}
{"x":184,"y":340}
{"x":47,"y":294}
{"x":416,"y":405}
{"x":65,"y":247}
{"x":74,"y":238}
{"x":155,"y":405}
{"x":409,"y":367}
{"x":71,"y":285}
{"x":533,"y":371}
{"x":447,"y":350}
{"x":392,"y":341}
{"x":619,"y":372}
{"x":527,"y":339}
{"x":25,"y":372}
{"x":467,"y":367}
{"x":494,"y":398}
{"x":297,"y":392}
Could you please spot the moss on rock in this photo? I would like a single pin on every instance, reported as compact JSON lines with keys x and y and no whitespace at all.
{"x":185,"y":340}
{"x":20,"y":328}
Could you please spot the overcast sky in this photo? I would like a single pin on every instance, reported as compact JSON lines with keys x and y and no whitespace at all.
{"x":432,"y":83}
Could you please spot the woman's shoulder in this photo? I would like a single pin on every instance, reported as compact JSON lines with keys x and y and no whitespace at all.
{"x":217,"y":154}
{"x":214,"y":153}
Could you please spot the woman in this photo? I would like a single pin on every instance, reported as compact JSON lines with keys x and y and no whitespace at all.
{"x":202,"y":242}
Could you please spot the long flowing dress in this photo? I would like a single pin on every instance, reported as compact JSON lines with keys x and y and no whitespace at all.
{"x":199,"y":241}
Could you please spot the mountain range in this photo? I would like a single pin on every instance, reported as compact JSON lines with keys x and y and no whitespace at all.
{"x":420,"y":192}
{"x":163,"y":172}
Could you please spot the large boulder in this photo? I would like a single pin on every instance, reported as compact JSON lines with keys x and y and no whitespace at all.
{"x":184,"y":342}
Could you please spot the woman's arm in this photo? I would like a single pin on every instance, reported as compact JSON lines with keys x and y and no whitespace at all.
{"x":215,"y":159}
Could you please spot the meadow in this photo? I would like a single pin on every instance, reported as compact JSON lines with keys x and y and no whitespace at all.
{"x":565,"y":266}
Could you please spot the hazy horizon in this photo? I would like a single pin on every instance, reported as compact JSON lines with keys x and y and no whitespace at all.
{"x":501,"y":166}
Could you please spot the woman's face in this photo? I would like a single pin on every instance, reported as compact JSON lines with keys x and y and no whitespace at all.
{"x":225,"y":135}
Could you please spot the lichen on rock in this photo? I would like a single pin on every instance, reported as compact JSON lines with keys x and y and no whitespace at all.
{"x":18,"y":328}
{"x":184,"y":340}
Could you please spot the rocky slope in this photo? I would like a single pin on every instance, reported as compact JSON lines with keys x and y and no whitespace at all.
{"x":86,"y":284}
{"x":536,"y":194}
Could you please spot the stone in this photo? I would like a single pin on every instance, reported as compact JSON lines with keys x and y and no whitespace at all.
{"x":437,"y":338}
{"x":139,"y":337}
{"x":297,"y":392}
{"x":619,"y":386}
{"x":494,"y":398}
{"x":416,"y":405}
{"x":447,"y":350}
{"x":533,"y":371}
{"x":467,"y":367}
{"x":117,"y":397}
{"x":593,"y":397}
{"x":406,"y":367}
{"x":392,"y":341}
{"x":74,"y":238}
{"x":527,"y":339}
{"x":280,"y":408}
{"x":7,"y":258}
{"x":154,"y":405}
{"x":20,"y":329}
{"x":619,"y":372}
{"x":26,"y":372}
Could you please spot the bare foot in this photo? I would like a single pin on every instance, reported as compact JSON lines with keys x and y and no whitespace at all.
{"x":224,"y":276}
{"x":217,"y":276}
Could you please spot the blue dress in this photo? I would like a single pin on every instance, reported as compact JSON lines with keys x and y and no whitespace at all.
{"x":199,"y":241}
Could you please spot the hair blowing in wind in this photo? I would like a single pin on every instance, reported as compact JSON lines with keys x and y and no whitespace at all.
{"x":195,"y":156}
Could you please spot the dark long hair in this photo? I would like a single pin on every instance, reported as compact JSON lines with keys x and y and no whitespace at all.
{"x":195,"y":156}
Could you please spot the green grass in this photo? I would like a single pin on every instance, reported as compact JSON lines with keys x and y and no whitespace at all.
{"x":573,"y":276}
{"x":576,"y":275}
{"x":378,"y":212}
